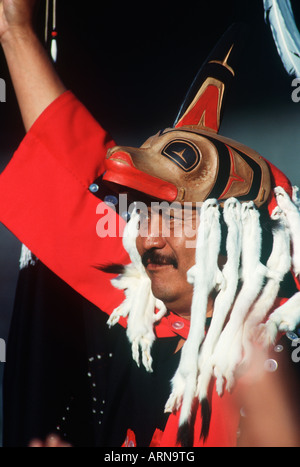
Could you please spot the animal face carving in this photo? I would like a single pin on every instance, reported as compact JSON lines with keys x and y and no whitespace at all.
{"x":189,"y":164}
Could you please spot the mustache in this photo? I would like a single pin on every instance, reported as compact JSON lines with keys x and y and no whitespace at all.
{"x":152,"y":256}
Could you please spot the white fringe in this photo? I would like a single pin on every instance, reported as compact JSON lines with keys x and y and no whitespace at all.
{"x":26,"y":258}
{"x":225,"y":298}
{"x":279,"y":263}
{"x":205,"y":276}
{"x":139,"y":304}
{"x":286,"y":317}
{"x":228,"y":349}
{"x":222,"y":349}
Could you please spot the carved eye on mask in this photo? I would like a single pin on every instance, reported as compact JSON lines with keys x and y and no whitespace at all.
{"x":183,"y":153}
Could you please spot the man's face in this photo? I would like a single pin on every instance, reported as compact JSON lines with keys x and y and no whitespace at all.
{"x":166,"y":243}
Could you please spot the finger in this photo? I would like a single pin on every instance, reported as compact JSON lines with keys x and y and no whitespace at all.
{"x":52,"y":441}
{"x":35,"y":443}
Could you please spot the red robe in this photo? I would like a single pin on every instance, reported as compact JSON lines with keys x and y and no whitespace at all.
{"x":47,"y":204}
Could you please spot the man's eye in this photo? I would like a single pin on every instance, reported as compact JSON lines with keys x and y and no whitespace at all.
{"x":144,"y":217}
{"x":175,"y":217}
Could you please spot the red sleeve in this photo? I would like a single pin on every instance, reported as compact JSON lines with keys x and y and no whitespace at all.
{"x":46,"y":202}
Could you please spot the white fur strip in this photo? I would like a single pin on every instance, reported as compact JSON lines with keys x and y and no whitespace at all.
{"x":134,"y":272}
{"x":204,"y":275}
{"x":285,"y":318}
{"x":140,"y":323}
{"x":225,"y":298}
{"x":228,"y":349}
{"x":129,"y":240}
{"x":130,"y":283}
{"x":26,"y":258}
{"x":139,"y":304}
{"x":291,"y":213}
{"x":279,"y":263}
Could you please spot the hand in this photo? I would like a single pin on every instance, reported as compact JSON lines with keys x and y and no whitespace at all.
{"x":34,"y":78}
{"x":15,"y":15}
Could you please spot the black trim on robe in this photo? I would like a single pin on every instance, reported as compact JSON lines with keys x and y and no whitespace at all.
{"x":67,"y":372}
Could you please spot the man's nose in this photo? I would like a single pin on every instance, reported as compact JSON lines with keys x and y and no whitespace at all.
{"x":154,"y":236}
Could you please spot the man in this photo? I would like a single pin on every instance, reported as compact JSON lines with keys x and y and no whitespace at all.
{"x":167,"y":290}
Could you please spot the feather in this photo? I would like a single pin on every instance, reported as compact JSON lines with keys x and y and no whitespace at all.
{"x":279,"y":15}
{"x":54,"y":49}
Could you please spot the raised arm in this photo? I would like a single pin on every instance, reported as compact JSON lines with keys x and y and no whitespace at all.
{"x":35,"y":81}
{"x":54,"y":212}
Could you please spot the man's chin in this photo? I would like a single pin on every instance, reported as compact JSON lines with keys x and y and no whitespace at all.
{"x":164,"y":292}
